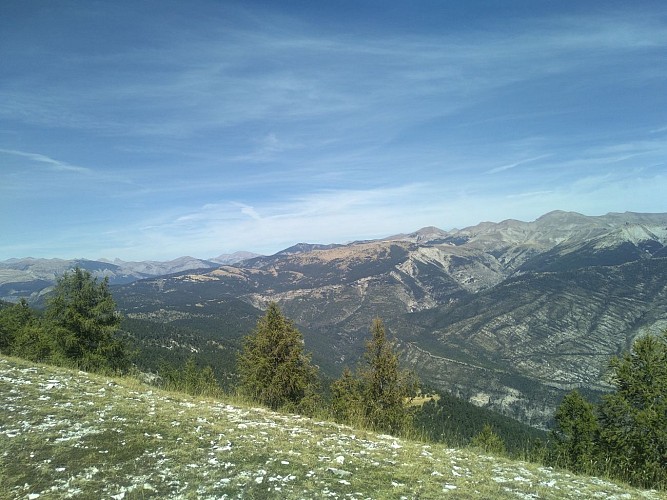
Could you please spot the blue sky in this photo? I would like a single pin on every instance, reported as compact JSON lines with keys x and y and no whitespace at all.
{"x":156,"y":129}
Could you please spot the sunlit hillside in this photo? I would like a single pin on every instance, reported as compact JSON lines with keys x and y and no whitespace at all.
{"x":65,"y":433}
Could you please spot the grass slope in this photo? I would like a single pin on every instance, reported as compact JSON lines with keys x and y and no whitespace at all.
{"x":65,"y":433}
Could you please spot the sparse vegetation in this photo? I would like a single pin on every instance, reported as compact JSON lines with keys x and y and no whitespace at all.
{"x":64,"y":433}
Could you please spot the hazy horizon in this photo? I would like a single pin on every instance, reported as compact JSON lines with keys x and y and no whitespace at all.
{"x":112,"y":259}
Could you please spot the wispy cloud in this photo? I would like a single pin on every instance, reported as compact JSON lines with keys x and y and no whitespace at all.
{"x":248,"y":76}
{"x":253,"y":127}
{"x":516,"y":164}
{"x":51,"y":163}
{"x":266,"y":148}
{"x":347,"y":215}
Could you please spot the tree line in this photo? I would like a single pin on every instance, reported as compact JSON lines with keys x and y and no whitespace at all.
{"x":275,"y":370}
{"x":624,"y":436}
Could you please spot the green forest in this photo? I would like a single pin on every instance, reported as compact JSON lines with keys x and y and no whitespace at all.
{"x":623,"y":436}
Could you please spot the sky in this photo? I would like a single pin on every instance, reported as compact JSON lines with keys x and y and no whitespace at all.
{"x":149,"y":130}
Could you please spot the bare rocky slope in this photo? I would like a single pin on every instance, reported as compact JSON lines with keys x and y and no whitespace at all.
{"x":508,"y":315}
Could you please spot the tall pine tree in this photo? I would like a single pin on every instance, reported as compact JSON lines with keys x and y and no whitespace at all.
{"x":274,"y":369}
{"x":379,"y":395}
{"x":84,"y":322}
{"x":346,"y":400}
{"x":13,"y":320}
{"x":575,"y":434}
{"x":634,"y":418}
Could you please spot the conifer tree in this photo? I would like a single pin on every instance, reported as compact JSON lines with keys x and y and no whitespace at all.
{"x":12,"y":320}
{"x":191,"y":379}
{"x":385,"y":388}
{"x":634,"y":418}
{"x":84,"y":321}
{"x":273,"y":367}
{"x":208,"y":383}
{"x":489,"y":441}
{"x":575,"y":434}
{"x":346,"y":399}
{"x":35,"y":342}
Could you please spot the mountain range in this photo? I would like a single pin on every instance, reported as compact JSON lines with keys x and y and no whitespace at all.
{"x":30,"y":278}
{"x":508,"y":315}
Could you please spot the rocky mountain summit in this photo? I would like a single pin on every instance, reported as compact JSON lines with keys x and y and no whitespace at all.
{"x":508,"y":315}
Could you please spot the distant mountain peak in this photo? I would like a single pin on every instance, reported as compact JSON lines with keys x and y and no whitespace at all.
{"x":423,"y":235}
{"x":234,"y":258}
{"x":429,"y":233}
{"x":307,"y":247}
{"x":560,"y":213}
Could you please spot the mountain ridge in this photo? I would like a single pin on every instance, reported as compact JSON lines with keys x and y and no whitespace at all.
{"x":33,"y":277}
{"x":509,"y":315}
